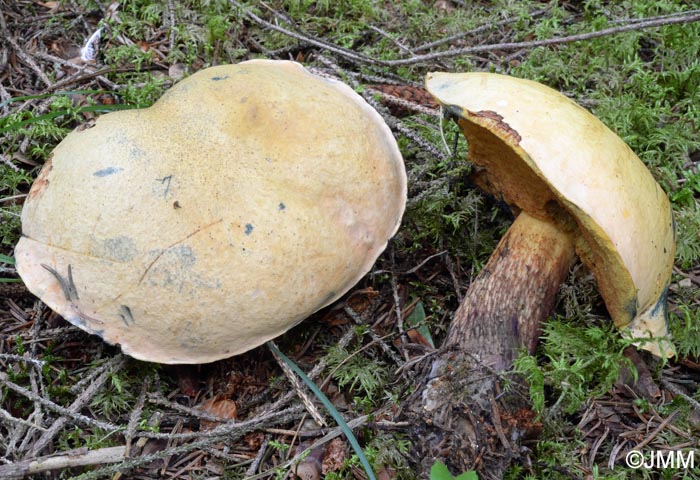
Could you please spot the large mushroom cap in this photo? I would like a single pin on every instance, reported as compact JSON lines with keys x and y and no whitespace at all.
{"x":550,"y":157}
{"x":248,"y":197}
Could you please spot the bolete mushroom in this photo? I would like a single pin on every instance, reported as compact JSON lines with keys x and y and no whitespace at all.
{"x":577,"y":189}
{"x":245,"y":199}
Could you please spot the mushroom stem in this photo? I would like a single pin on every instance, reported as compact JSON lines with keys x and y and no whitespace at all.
{"x":513,"y":294}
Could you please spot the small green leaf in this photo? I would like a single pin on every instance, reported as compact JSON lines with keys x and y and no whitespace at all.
{"x":417,"y":320}
{"x":439,"y":471}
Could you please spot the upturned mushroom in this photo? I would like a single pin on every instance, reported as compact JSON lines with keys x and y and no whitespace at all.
{"x":245,"y":199}
{"x":577,"y":190}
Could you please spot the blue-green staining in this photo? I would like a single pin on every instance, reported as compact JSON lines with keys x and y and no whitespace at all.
{"x":175,"y":268}
{"x":80,"y":322}
{"x":328,"y":298}
{"x":218,"y":78}
{"x":281,"y":206}
{"x":126,"y":315}
{"x":661,"y":305}
{"x":249,"y":228}
{"x":117,"y":249}
{"x":674,"y":228}
{"x":631,"y":307}
{"x":165,"y":184}
{"x":107,"y":171}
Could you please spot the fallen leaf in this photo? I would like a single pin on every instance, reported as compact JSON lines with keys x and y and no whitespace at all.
{"x":223,"y":408}
{"x":309,"y":468}
{"x":336,"y":454}
{"x":421,"y":333}
{"x":386,"y":473}
{"x":644,"y":385}
{"x":50,"y":5}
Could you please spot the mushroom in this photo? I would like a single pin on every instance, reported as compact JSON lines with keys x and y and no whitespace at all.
{"x":577,"y":190}
{"x":245,"y":199}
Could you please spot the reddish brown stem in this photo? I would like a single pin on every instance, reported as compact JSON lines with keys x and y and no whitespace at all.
{"x":513,"y":294}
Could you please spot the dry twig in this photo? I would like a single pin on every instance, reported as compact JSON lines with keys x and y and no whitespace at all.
{"x":77,"y":458}
{"x":116,"y":364}
{"x":80,"y":418}
{"x":642,"y":24}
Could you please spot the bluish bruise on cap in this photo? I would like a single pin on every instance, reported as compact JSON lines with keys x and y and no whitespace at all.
{"x":248,"y":228}
{"x":328,"y":298}
{"x":79,"y":322}
{"x":126,"y":315}
{"x":117,"y":249}
{"x":281,"y":206}
{"x":107,"y":171}
{"x":673,"y":226}
{"x":661,"y":304}
{"x":631,"y":308}
{"x":452,"y":112}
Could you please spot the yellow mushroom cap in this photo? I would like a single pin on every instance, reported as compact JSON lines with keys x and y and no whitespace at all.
{"x":547,"y":155}
{"x":245,"y":199}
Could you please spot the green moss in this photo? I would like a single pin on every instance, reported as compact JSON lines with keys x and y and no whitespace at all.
{"x":573,"y":370}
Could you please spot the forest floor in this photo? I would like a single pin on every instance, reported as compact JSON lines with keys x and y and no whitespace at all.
{"x":72,"y":406}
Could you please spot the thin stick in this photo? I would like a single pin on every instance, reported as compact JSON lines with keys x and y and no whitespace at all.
{"x":77,"y":405}
{"x":414,"y":269}
{"x":158,"y":399}
{"x":19,"y":421}
{"x":375,"y":339}
{"x":79,"y":458}
{"x":650,"y":22}
{"x":22,"y":54}
{"x":211,"y":437}
{"x":386,"y":35}
{"x":677,"y":391}
{"x":13,"y":197}
{"x":258,"y":457}
{"x":397,"y":300}
{"x":232,"y":427}
{"x":136,"y":415}
{"x":35,"y":375}
{"x":55,"y":407}
{"x":305,"y":38}
{"x":474,"y":31}
{"x":171,"y":25}
{"x":20,"y":358}
{"x":656,"y":431}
